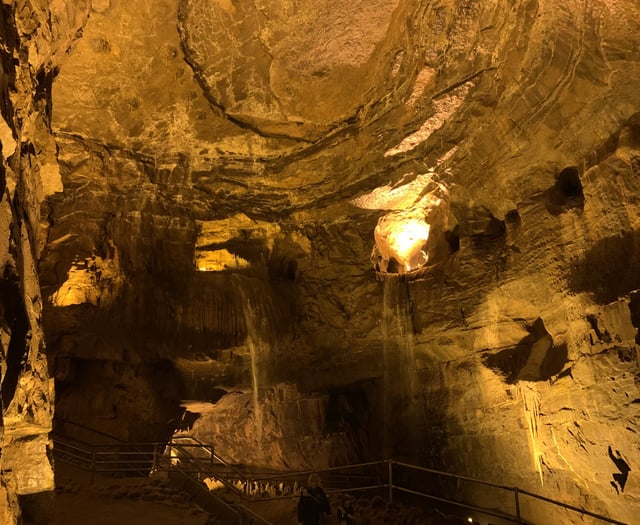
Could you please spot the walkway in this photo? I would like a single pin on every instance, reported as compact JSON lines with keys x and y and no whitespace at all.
{"x":195,"y":467}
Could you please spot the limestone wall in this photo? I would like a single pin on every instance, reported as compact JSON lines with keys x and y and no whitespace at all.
{"x":195,"y":187}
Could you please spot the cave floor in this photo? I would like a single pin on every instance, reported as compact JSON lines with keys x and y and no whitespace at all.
{"x":79,"y":500}
{"x":119,"y":501}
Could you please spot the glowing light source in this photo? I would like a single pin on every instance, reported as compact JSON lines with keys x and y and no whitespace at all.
{"x":406,"y":241}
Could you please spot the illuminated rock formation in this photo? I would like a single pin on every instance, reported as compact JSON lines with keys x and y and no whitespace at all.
{"x":411,"y":235}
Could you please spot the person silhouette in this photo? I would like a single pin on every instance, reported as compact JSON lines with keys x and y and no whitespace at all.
{"x":346,"y":513}
{"x":313,"y":505}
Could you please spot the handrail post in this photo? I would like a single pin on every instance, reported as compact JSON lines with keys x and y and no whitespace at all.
{"x":515,"y":493}
{"x":390,"y":479}
{"x":93,"y":464}
{"x":154,"y":466}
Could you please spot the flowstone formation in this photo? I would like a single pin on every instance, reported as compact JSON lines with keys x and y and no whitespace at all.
{"x":213,"y":179}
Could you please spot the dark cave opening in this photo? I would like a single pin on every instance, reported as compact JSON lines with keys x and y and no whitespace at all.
{"x":14,"y":320}
{"x":347,"y":409}
{"x":486,"y":232}
{"x":513,"y":217}
{"x":566,"y":193}
{"x":495,"y":228}
{"x":634,"y":308}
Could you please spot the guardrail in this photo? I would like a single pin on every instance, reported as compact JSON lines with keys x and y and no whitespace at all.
{"x":200,"y":461}
{"x":124,"y":458}
{"x":192,"y":462}
{"x":387,"y":476}
{"x":203,"y":496}
{"x":516,"y":493}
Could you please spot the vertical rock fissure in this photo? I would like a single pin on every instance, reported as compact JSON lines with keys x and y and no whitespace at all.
{"x":16,"y":322}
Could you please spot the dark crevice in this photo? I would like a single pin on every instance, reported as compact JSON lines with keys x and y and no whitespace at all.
{"x":567,"y":192}
{"x":186,"y":421}
{"x":480,"y":225}
{"x":513,"y":217}
{"x":601,"y":333}
{"x":14,"y":319}
{"x":508,"y":362}
{"x":44,"y":83}
{"x":453,"y":238}
{"x":283,"y":268}
{"x":3,"y":177}
{"x":633,"y":125}
{"x":634,"y":308}
{"x":495,"y":228}
{"x":7,"y":60}
{"x":568,"y":181}
{"x":554,"y":361}
{"x":492,"y":236}
{"x":347,"y":410}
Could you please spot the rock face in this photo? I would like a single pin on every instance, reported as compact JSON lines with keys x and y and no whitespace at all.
{"x":33,"y":40}
{"x":200,"y":187}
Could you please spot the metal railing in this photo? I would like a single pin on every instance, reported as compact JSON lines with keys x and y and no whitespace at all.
{"x":203,"y":496}
{"x":121,"y":458}
{"x":200,"y":461}
{"x":516,"y":493}
{"x":387,"y":477}
{"x":202,"y":456}
{"x":191,"y":462}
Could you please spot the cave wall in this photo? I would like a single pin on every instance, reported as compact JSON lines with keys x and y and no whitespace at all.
{"x":34,"y":38}
{"x":248,"y":153}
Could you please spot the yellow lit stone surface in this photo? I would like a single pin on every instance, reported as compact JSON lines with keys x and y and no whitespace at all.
{"x":219,"y":260}
{"x":237,"y":227}
{"x":93,"y":281}
{"x":288,"y":142}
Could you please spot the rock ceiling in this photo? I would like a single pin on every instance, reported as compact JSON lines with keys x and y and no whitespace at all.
{"x":262,"y":142}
